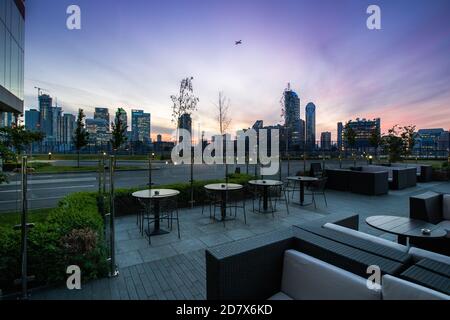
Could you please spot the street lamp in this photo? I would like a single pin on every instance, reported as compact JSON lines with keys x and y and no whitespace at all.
{"x":49,"y":156}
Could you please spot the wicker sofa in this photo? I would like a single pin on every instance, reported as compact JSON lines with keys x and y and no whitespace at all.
{"x":357,"y":181}
{"x":429,"y":207}
{"x":315,"y":261}
{"x":424,"y":172}
{"x":399,"y":178}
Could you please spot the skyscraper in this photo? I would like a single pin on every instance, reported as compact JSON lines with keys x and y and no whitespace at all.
{"x":310,"y":113}
{"x":140,"y":126}
{"x":32,"y":117}
{"x":12,"y":40}
{"x":292,"y":120}
{"x":46,"y":115}
{"x":103,"y":114}
{"x":325,"y":141}
{"x":68,"y":128}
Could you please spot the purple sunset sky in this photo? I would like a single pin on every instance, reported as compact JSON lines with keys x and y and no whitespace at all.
{"x":133,"y":53}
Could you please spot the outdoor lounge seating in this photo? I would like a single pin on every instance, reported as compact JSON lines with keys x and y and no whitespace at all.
{"x":356,"y":181}
{"x":315,"y":262}
{"x":399,"y":178}
{"x":429,"y":207}
{"x":424,"y":173}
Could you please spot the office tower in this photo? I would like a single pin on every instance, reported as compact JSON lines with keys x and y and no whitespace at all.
{"x":32,"y":117}
{"x":159,"y":138}
{"x":140,"y":126}
{"x":46,"y":115}
{"x":68,"y":128}
{"x":12,"y":22}
{"x":340,"y":133}
{"x":310,"y":114}
{"x":325,"y":141}
{"x":102,"y":114}
{"x":444,"y":142}
{"x":363,"y":129}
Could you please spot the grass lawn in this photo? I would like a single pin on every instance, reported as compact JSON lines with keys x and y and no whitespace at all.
{"x":13,"y":218}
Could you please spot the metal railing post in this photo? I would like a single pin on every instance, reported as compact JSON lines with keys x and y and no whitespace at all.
{"x":114,"y":271}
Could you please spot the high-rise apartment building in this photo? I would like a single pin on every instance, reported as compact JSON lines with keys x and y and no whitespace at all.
{"x":12,"y":35}
{"x":310,"y":130}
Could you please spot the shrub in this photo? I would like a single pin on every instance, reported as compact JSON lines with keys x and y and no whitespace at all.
{"x":72,"y":234}
{"x":127,"y":204}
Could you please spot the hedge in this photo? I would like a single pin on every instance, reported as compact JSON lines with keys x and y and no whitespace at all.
{"x":72,"y":234}
{"x":126,"y":204}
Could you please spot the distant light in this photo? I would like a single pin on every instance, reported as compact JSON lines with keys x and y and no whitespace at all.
{"x":49,"y":153}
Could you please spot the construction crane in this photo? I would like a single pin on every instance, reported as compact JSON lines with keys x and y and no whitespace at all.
{"x":40,"y":90}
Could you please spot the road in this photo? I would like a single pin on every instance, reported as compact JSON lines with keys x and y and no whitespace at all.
{"x":45,"y":190}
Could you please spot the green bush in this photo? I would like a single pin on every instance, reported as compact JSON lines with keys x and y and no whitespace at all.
{"x":51,"y":248}
{"x":127,"y":204}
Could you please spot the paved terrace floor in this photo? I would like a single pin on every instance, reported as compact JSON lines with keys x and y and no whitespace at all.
{"x":172,"y":268}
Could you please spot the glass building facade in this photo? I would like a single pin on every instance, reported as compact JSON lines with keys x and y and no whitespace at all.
{"x":12,"y":39}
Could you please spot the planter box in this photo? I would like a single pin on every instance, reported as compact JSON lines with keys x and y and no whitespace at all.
{"x":440,"y":175}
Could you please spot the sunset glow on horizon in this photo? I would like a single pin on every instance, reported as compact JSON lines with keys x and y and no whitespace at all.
{"x":133,"y":54}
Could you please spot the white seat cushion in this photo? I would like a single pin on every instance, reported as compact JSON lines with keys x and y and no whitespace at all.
{"x":366,"y":236}
{"x":419,"y":254}
{"x":280,"y":296}
{"x":398,"y":289}
{"x":446,"y":206}
{"x":446,"y":226}
{"x":307,"y":278}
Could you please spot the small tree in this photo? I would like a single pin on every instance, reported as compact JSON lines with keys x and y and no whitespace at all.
{"x":80,"y":139}
{"x":119,"y":132}
{"x":408,"y":134}
{"x":17,"y":139}
{"x":350,"y":139}
{"x":393,"y":144}
{"x":185,"y":102}
{"x":375,"y":140}
{"x":223,"y":118}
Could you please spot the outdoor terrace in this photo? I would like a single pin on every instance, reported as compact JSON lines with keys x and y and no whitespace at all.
{"x":172,"y":268}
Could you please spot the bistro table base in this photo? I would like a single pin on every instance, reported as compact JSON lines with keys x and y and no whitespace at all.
{"x":151,"y":233}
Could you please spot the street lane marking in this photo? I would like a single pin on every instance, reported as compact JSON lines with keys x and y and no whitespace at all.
{"x":48,"y":181}
{"x":32,"y":190}
{"x":39,"y":199}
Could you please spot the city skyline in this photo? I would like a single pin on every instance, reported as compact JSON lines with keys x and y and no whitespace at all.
{"x":346,"y":70}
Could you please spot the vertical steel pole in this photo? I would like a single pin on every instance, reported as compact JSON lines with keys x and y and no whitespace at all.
{"x":114,"y":270}
{"x":24,"y":228}
{"x":150,"y":182}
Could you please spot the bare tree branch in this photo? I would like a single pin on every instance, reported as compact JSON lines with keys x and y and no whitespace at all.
{"x":223,"y":118}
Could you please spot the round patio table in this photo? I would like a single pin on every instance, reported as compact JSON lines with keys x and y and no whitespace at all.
{"x":223,"y":188}
{"x":405,"y":228}
{"x":155,"y":196}
{"x":302,"y":180}
{"x":265,"y":184}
